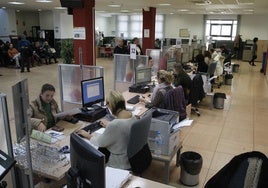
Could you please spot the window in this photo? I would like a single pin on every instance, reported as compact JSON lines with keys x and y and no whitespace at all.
{"x":131,"y":26}
{"x":221,"y":29}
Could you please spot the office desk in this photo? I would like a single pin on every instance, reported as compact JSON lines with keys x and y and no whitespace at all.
{"x":127,"y":95}
{"x":166,"y":159}
{"x":52,"y":170}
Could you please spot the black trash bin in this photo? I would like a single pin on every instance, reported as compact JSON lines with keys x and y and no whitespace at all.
{"x":218,"y":100}
{"x":191,"y":164}
{"x":235,"y":67}
{"x":228,"y":79}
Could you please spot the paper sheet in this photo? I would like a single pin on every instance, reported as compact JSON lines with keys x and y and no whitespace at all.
{"x":184,"y":123}
{"x":116,"y":178}
{"x":100,"y":131}
{"x":2,"y":169}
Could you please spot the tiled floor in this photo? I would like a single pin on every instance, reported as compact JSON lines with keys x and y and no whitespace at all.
{"x":218,"y":135}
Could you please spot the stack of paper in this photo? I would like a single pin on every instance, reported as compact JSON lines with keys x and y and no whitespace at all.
{"x":116,"y":178}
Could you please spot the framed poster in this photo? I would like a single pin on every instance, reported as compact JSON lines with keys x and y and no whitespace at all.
{"x":184,"y":33}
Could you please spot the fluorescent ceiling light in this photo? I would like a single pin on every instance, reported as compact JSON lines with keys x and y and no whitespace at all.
{"x":164,"y":4}
{"x":124,"y":11}
{"x":248,"y":10}
{"x":60,"y":8}
{"x":39,"y":10}
{"x":3,"y":7}
{"x":183,"y":10}
{"x":17,"y":10}
{"x":114,"y":5}
{"x":43,"y":1}
{"x":16,"y":3}
{"x":171,"y":13}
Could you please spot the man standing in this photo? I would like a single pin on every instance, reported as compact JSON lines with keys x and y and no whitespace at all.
{"x":254,"y":52}
{"x":120,"y":48}
{"x":24,"y":46}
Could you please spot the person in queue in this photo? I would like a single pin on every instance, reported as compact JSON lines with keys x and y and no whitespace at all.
{"x":165,"y":80}
{"x":44,"y":108}
{"x":116,"y":134}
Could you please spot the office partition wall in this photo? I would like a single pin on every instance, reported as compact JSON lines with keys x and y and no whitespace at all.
{"x":70,"y":77}
{"x":124,"y":70}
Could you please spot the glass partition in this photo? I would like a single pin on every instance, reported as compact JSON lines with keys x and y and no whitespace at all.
{"x":70,"y":77}
{"x":124,"y":68}
{"x":156,"y":61}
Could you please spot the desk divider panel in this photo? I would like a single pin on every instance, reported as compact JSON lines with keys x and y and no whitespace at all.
{"x":124,"y":70}
{"x":70,"y":77}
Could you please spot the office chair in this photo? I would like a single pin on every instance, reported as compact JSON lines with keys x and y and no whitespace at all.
{"x":138,"y":151}
{"x":175,"y":101}
{"x":196,"y":92}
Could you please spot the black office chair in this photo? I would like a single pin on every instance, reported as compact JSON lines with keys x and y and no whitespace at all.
{"x":138,"y":151}
{"x":196,"y":93}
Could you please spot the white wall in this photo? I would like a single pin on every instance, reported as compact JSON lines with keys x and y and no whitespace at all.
{"x":63,"y":25}
{"x":254,"y":26}
{"x":194,"y":23}
{"x":8,"y":23}
{"x":46,"y":20}
{"x":25,"y":21}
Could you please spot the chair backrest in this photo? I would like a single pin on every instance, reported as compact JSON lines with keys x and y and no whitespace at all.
{"x":138,"y":151}
{"x":212,"y":68}
{"x":197,"y":90}
{"x":175,"y":100}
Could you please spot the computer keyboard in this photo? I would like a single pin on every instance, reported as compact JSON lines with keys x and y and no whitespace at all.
{"x":134,"y":100}
{"x":93,"y":127}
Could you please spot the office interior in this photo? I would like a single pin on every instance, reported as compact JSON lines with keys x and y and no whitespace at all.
{"x":218,"y":135}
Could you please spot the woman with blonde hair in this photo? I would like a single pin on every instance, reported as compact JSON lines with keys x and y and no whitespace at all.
{"x":165,"y":79}
{"x":116,"y":135}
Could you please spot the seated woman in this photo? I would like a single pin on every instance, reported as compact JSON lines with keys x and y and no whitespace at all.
{"x":116,"y":135}
{"x":43,"y":109}
{"x":202,"y":66}
{"x":164,"y":85}
{"x":183,"y":79}
{"x":14,"y":54}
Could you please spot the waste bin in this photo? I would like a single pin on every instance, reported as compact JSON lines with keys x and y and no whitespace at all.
{"x":218,"y":100}
{"x":191,"y":164}
{"x":228,"y":79}
{"x":236,"y":67}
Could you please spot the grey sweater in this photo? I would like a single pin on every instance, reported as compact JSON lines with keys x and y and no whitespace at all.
{"x":115,"y":139}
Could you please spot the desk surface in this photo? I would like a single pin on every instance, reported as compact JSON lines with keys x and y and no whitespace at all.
{"x":128,"y":95}
{"x":52,"y":170}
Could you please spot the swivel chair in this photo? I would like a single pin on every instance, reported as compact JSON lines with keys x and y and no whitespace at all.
{"x":196,"y":92}
{"x":138,"y":151}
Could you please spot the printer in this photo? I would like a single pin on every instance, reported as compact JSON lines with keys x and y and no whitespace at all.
{"x":163,"y":120}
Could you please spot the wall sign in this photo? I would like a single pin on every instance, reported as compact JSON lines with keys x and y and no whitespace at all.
{"x":80,"y":33}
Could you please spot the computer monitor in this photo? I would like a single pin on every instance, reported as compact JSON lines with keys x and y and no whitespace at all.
{"x":170,"y":64}
{"x":143,"y":75}
{"x":87,"y":162}
{"x":92,"y":91}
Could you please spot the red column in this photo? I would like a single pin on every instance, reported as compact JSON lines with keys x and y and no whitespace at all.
{"x":149,"y":25}
{"x":85,"y":17}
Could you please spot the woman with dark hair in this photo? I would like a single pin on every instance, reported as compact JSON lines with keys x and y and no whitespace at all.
{"x":254,"y":51}
{"x":43,"y":109}
{"x":138,"y":47}
{"x":202,"y":66}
